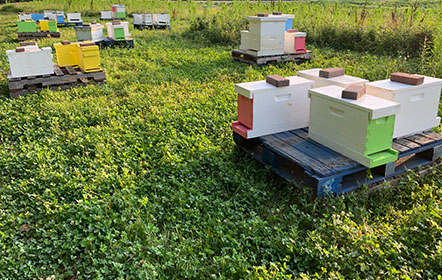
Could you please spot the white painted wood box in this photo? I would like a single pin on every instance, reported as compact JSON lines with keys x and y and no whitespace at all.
{"x":31,"y":62}
{"x":90,"y":32}
{"x":419,"y":104}
{"x":161,"y":19}
{"x":106,"y":14}
{"x":245,"y":38}
{"x":50,"y":15}
{"x":266,"y":35}
{"x":137,"y":18}
{"x":147,"y":19}
{"x":24,"y":16}
{"x":360,"y":129}
{"x":265,"y":109}
{"x":342,"y":81}
{"x":111,"y":29}
{"x":74,"y":17}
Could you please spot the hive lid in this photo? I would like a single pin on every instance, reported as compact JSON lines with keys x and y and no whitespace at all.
{"x":389,"y":85}
{"x":375,"y":106}
{"x":345,"y":79}
{"x":268,"y":18}
{"x":248,"y":89}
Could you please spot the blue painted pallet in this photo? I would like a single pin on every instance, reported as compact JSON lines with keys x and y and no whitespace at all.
{"x":109,"y":42}
{"x":67,"y":24}
{"x":151,"y":26}
{"x":295,"y":157}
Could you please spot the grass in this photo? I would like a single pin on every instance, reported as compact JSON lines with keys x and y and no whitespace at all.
{"x":140,"y":178}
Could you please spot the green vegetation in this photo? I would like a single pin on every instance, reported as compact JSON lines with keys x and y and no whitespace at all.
{"x":140,"y":178}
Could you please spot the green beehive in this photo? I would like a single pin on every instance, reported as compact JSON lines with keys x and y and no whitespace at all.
{"x":52,"y":26}
{"x":121,"y":14}
{"x":27,"y":26}
{"x":119,"y":34}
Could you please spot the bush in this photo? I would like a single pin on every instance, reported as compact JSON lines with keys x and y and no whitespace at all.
{"x":10,"y":9}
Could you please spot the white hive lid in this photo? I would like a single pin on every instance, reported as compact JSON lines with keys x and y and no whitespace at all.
{"x":269,"y":18}
{"x":388,"y":85}
{"x":345,"y":79}
{"x":248,"y":89}
{"x":377,"y":107}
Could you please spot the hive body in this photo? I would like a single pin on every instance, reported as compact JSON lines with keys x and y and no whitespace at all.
{"x":88,"y":57}
{"x":342,"y":81}
{"x":67,"y":55}
{"x":32,"y":62}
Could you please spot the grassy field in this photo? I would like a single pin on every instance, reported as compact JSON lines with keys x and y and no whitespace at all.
{"x":140,"y":178}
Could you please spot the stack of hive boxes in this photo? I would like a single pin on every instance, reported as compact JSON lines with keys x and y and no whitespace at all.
{"x":85,"y":55}
{"x":347,"y":114}
{"x":90,"y":32}
{"x":118,"y":11}
{"x":118,"y":30}
{"x":29,"y":60}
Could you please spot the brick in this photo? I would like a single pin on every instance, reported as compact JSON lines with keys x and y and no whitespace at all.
{"x":406,"y":78}
{"x":277,"y":81}
{"x":65,"y":42}
{"x":20,"y":49}
{"x":353,"y":92}
{"x":276,"y":13}
{"x":292,"y":30}
{"x":263,"y":15}
{"x":24,"y":44}
{"x":331,"y":72}
{"x":116,"y":22}
{"x":87,"y":44}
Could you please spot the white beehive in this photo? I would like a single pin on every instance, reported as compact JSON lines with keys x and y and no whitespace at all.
{"x":138,"y":18}
{"x":90,"y":32}
{"x":161,"y":19}
{"x":266,"y":35}
{"x":106,"y":14}
{"x":117,"y":10}
{"x":147,"y":19}
{"x":24,"y":16}
{"x":30,"y":62}
{"x":419,"y":104}
{"x":265,"y":109}
{"x":245,"y":37}
{"x":360,"y":129}
{"x":111,"y":26}
{"x":74,"y":17}
{"x":342,"y":81}
{"x":50,"y":15}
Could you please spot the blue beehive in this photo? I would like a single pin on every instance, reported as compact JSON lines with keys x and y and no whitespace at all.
{"x":37,"y":17}
{"x":289,"y":22}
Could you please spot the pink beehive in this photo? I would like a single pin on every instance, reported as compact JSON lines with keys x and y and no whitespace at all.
{"x":294,"y":42}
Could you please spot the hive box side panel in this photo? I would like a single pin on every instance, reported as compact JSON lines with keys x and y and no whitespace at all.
{"x":27,"y":64}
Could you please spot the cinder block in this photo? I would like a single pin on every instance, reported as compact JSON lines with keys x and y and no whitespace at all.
{"x":406,"y":78}
{"x":277,"y":81}
{"x":353,"y":92}
{"x":331,"y":72}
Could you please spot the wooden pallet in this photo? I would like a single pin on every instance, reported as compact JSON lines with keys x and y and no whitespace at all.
{"x":68,"y":24}
{"x":293,"y":156}
{"x":109,"y":42}
{"x":243,"y":56}
{"x":22,"y":36}
{"x":151,"y":26}
{"x":62,"y":79}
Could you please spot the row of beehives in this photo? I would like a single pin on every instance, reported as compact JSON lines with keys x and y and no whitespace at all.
{"x":31,"y":26}
{"x":118,"y":12}
{"x":29,"y":60}
{"x":272,"y":35}
{"x":350,"y":115}
{"x":116,"y":30}
{"x":151,"y":19}
{"x":58,"y":16}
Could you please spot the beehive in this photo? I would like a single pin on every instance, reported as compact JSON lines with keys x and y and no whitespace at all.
{"x":37,"y":17}
{"x":26,"y":26}
{"x":118,"y":11}
{"x":147,"y":19}
{"x":25,"y":62}
{"x":294,"y":42}
{"x":138,"y":18}
{"x":74,"y":17}
{"x":342,"y":81}
{"x":48,"y":25}
{"x":88,"y":56}
{"x":90,"y":32}
{"x":419,"y":103}
{"x":265,"y":109}
{"x":360,"y":129}
{"x":266,"y":35}
{"x":50,"y":15}
{"x":24,"y":16}
{"x":106,"y":14}
{"x":66,"y":53}
{"x":161,"y":19}
{"x":119,"y":31}
{"x":60,"y":17}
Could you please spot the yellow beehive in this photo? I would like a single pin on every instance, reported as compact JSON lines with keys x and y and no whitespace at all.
{"x":88,"y":56}
{"x":44,"y":25}
{"x":67,"y":54}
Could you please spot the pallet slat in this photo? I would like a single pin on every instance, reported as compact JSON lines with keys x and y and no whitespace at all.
{"x":243,"y":56}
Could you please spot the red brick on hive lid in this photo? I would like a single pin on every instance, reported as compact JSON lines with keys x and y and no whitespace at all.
{"x":24,"y":44}
{"x":277,"y":81}
{"x":406,"y":78}
{"x":116,"y":22}
{"x":331,"y":72}
{"x":263,"y":15}
{"x":353,"y":92}
{"x":276,"y":13}
{"x":19,"y":49}
{"x":65,"y":42}
{"x":87,"y":44}
{"x":291,"y":30}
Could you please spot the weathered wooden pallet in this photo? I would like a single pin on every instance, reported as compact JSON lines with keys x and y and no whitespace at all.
{"x":243,"y":56}
{"x":68,"y":24}
{"x":62,"y":79}
{"x":294,"y":157}
{"x":151,"y":26}
{"x":109,"y":42}
{"x":22,"y":36}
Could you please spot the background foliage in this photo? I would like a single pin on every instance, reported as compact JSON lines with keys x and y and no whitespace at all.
{"x":140,"y":178}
